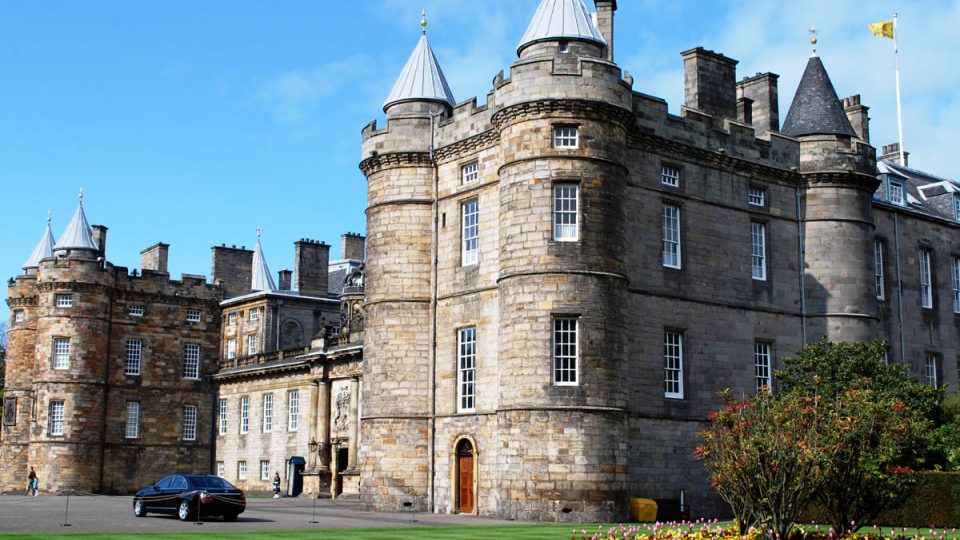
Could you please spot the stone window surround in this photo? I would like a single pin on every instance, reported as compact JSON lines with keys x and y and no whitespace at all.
{"x":470,"y":172}
{"x":756,"y":196}
{"x":565,"y":367}
{"x":253,"y":315}
{"x":232,"y":318}
{"x":57,"y":418}
{"x":190,"y":422}
{"x":63,"y":300}
{"x":565,"y":232}
{"x":19,"y":315}
{"x":191,"y":361}
{"x":63,"y":355}
{"x":670,"y":175}
{"x":565,"y":136}
{"x":135,"y":310}
{"x":132,"y":357}
{"x":194,"y":315}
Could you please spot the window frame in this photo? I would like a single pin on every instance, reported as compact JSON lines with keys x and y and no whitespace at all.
{"x":293,"y":410}
{"x":267,"y":419}
{"x":467,"y":369}
{"x":221,"y":469}
{"x":188,"y":361}
{"x":194,"y":315}
{"x":955,"y":281}
{"x":565,"y":367}
{"x":470,"y":232}
{"x":19,"y":315}
{"x":925,"y":259}
{"x":669,"y":175}
{"x":231,"y":348}
{"x":223,"y":410}
{"x":562,"y":210}
{"x":253,"y":344}
{"x":242,"y":469}
{"x":232,"y":318}
{"x":931,"y":369}
{"x":900,"y":189}
{"x":132,"y":357}
{"x":61,"y":358}
{"x":878,"y":269}
{"x":63,"y":300}
{"x":189,"y":431}
{"x":56,"y":418}
{"x":244,"y":426}
{"x":265,"y":469}
{"x":132,"y":420}
{"x":757,"y":196}
{"x":673,"y":364}
{"x":470,"y":172}
{"x":253,"y":315}
{"x":758,"y":257}
{"x":566,"y":137}
{"x":135,"y":310}
{"x":762,"y":366}
{"x":671,"y":248}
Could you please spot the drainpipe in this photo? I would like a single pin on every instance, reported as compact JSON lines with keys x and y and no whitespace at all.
{"x":106,"y":377}
{"x":896,"y":240}
{"x":800,"y":259}
{"x":433,"y":316}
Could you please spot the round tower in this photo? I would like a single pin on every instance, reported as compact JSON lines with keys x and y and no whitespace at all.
{"x":400,"y":172}
{"x":563,"y":119}
{"x":839,"y":173}
{"x":72,"y":327}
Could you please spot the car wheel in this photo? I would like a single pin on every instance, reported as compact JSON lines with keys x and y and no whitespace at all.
{"x":229,"y":517}
{"x":139,"y":509}
{"x":183,"y":512}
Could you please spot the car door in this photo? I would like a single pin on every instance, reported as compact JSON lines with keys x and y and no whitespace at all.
{"x":170,"y":493}
{"x":153,"y":498}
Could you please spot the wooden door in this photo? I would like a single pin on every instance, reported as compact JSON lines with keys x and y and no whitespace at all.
{"x":465,"y":483}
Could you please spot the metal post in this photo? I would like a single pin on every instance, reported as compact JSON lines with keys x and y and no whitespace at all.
{"x":66,"y":511}
{"x":896,"y":56}
{"x":314,"y":520}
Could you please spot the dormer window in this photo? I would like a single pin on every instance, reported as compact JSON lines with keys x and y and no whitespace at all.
{"x":566,"y":137}
{"x":895,"y":193}
{"x":956,"y":206}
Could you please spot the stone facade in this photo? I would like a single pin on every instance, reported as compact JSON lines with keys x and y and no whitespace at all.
{"x":773,"y":248}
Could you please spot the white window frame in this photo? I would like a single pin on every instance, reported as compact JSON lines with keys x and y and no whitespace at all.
{"x":267,"y":413}
{"x":254,"y":315}
{"x":132,"y":424}
{"x":896,"y":193}
{"x":56,"y":422}
{"x":244,"y":414}
{"x":470,"y":172}
{"x":756,"y":196}
{"x":241,"y":470}
{"x":61,"y":353}
{"x":62,"y":300}
{"x":758,"y":250}
{"x":566,"y":137}
{"x":931,"y":369}
{"x":762,"y":367}
{"x":221,"y":469}
{"x":232,"y":318}
{"x":135,"y":310}
{"x":670,"y":175}
{"x":470,"y":232}
{"x":467,"y":369}
{"x":133,"y":357}
{"x":670,"y":224}
{"x":926,"y":280}
{"x":191,"y":361}
{"x":672,"y":364}
{"x":955,"y":273}
{"x":264,"y":469}
{"x":194,"y":315}
{"x":253,"y":344}
{"x":878,"y":268}
{"x":19,"y":315}
{"x":222,"y":411}
{"x":956,"y":206}
{"x":566,"y":350}
{"x":293,"y":410}
{"x":189,"y":422}
{"x":566,"y":211}
{"x":231,"y":348}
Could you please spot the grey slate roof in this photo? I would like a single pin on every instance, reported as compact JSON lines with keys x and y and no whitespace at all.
{"x":924,"y":193}
{"x":568,"y":19}
{"x":260,"y":278}
{"x":44,"y":249}
{"x":816,"y":109}
{"x":78,"y":234}
{"x":421,"y":79}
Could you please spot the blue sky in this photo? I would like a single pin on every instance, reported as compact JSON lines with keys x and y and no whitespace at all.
{"x":194,"y":122}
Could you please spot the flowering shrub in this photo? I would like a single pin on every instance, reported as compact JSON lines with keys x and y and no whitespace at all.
{"x":713,"y":530}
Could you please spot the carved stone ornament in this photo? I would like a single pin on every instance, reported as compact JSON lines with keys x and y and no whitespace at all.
{"x":342,"y":420}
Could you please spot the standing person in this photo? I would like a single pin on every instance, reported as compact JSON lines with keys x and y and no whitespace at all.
{"x":276,"y":485}
{"x":32,"y":483}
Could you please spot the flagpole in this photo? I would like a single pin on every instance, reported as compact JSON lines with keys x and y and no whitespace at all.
{"x":896,"y":56}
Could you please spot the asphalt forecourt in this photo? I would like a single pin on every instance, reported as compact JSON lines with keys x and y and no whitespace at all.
{"x":98,"y":513}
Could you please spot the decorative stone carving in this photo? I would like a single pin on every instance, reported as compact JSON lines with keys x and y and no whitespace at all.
{"x":341,"y":421}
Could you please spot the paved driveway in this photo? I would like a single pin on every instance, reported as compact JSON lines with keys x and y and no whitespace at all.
{"x":103,"y":513}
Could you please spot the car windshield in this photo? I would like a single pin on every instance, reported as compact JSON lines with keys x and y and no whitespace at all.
{"x":214,"y":482}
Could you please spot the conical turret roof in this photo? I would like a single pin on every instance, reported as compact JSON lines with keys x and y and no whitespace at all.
{"x":44,"y":249}
{"x":555,"y":19}
{"x":78,"y":234}
{"x":421,"y":79}
{"x":816,"y":109}
{"x":260,"y":278}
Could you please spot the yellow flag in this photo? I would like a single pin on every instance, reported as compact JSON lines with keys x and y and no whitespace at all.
{"x":884,"y":29}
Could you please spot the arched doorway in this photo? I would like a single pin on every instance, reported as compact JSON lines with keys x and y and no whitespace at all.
{"x":465,"y":479}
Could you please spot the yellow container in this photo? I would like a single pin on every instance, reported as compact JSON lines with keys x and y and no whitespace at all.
{"x":644,"y":510}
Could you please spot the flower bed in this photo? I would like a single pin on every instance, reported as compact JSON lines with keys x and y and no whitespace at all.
{"x":715,"y":530}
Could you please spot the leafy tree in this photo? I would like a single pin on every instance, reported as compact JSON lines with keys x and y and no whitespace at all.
{"x":768,"y":456}
{"x":884,"y":423}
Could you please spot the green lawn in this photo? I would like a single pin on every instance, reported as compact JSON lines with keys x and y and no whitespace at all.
{"x":479,"y":532}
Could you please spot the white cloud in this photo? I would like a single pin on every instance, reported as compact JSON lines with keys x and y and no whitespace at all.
{"x":294,"y":96}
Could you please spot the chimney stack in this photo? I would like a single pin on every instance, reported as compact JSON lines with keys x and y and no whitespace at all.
{"x":857,"y":114}
{"x":100,"y":238}
{"x":154,"y":258}
{"x":762,"y":89}
{"x":311,"y":267}
{"x":232,"y":268}
{"x":891,"y":152}
{"x":286,"y":277}
{"x":353,"y":246}
{"x":605,"y":12}
{"x":710,"y":83}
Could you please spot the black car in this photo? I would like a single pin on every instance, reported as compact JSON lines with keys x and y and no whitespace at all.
{"x":191,"y":496}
